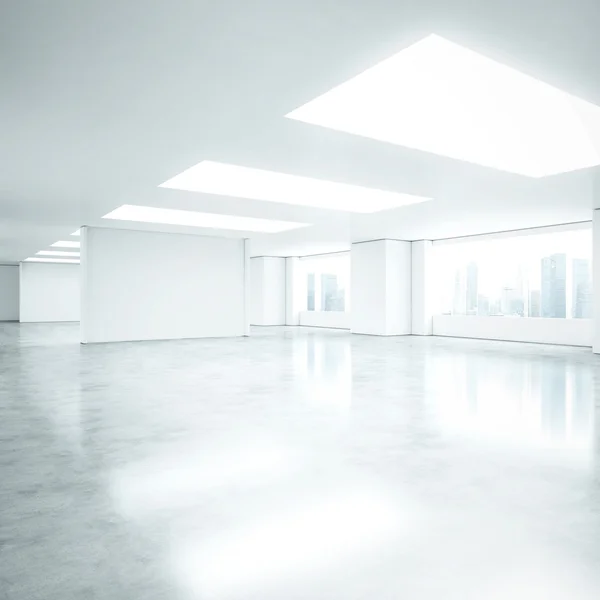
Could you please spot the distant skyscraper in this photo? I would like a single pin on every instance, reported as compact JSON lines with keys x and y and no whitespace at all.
{"x":472,"y":286}
{"x":554,"y":286}
{"x":511,"y":302}
{"x":535,"y":303}
{"x":459,"y":305}
{"x":483,"y":306}
{"x":506,"y":300}
{"x":582,"y":289}
{"x":521,"y":302}
{"x":332,"y":296}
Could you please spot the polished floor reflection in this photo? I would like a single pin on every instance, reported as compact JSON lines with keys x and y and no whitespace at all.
{"x":297,"y":464}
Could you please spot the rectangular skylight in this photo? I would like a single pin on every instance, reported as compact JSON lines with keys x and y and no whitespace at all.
{"x":65,"y":244}
{"x":438,"y":97}
{"x":52,"y":260}
{"x":56,"y":253}
{"x":244,"y":182}
{"x":168,"y":216}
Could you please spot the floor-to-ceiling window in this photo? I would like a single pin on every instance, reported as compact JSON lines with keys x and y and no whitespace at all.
{"x":529,"y":274}
{"x":327,"y":282}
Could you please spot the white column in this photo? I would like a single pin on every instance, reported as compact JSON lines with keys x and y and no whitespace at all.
{"x":381,"y":287}
{"x":596,"y":277}
{"x":267,"y":290}
{"x":295,"y":291}
{"x":422,"y":288}
{"x":247,"y":289}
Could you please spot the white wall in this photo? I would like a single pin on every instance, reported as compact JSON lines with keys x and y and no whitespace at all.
{"x":9,"y":293}
{"x":295,"y":290}
{"x":267,"y":290}
{"x":139,"y":285}
{"x":256,"y":290}
{"x":422,"y":287}
{"x":49,"y":292}
{"x":332,"y":319}
{"x":381,"y":288}
{"x":572,"y":332}
{"x":596,"y":276}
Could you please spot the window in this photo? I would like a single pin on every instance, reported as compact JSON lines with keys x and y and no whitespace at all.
{"x":310,"y":295}
{"x":327,"y":282}
{"x":535,"y":275}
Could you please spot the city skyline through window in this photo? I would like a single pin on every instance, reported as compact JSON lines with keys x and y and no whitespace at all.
{"x":327,"y":282}
{"x":536,"y":275}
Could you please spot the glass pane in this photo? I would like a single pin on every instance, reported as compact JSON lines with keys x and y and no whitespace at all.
{"x":538,"y":275}
{"x":310,"y":292}
{"x":332,"y":295}
{"x":327,"y":279}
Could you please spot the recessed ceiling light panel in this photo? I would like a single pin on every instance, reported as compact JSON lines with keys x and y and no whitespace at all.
{"x":66,"y":244}
{"x":52,"y":260}
{"x":78,"y":232}
{"x":442,"y":98}
{"x":56,"y":253}
{"x":244,"y":182}
{"x":167,"y":216}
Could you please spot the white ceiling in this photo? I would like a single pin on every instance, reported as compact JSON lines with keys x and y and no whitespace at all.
{"x":103,"y":101}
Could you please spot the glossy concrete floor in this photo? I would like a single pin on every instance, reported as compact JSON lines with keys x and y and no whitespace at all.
{"x":298,"y":464}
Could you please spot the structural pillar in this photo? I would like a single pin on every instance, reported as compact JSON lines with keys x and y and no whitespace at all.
{"x":422,"y":287}
{"x":295,"y":291}
{"x":381,"y":288}
{"x":596,"y":278}
{"x":268,"y":290}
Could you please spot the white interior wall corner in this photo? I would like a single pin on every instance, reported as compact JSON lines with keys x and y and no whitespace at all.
{"x":381,"y":287}
{"x":422,"y":275}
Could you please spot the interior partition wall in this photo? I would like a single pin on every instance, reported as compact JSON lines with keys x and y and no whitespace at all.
{"x":9,"y":293}
{"x":49,"y":292}
{"x":140,"y":285}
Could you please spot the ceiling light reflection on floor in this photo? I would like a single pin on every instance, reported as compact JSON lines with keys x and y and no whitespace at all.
{"x":188,"y":218}
{"x":243,"y":182}
{"x":439,"y":97}
{"x":318,"y":535}
{"x":179,"y":478}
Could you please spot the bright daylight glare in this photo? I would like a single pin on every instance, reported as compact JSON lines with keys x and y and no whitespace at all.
{"x":439,"y":97}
